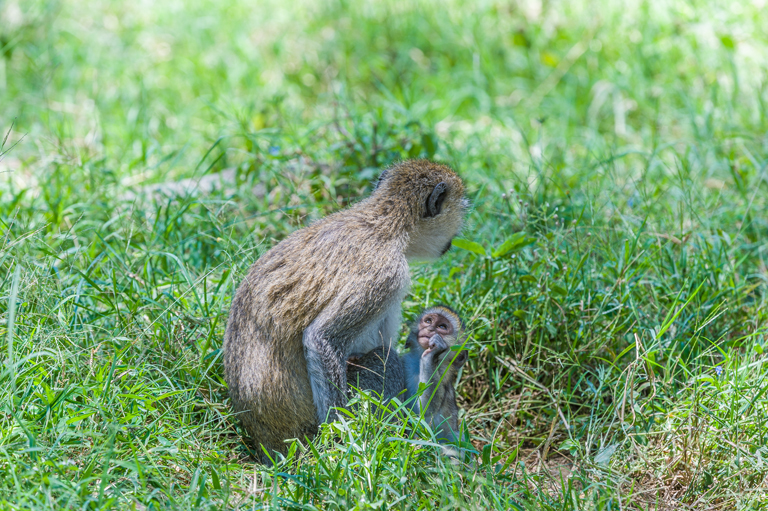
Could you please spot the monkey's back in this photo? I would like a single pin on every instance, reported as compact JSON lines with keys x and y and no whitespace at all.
{"x":284,"y":291}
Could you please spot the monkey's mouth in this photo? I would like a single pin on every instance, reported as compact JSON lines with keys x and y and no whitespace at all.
{"x":424,"y":341}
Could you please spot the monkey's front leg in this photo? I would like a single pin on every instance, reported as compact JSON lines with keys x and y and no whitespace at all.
{"x":430,"y":374}
{"x":327,"y":368}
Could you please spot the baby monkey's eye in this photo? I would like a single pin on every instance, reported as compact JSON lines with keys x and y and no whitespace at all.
{"x":428,"y":321}
{"x":443,"y":326}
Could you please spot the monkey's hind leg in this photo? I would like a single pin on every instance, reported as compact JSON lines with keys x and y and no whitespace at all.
{"x":380,"y":370}
{"x":260,"y":436}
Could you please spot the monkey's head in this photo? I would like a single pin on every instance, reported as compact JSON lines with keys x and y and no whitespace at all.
{"x":439,"y":320}
{"x":430,"y":198}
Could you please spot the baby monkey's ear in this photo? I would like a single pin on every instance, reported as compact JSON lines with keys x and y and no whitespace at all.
{"x":460,"y":359}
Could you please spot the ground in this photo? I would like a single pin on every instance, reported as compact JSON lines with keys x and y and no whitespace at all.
{"x":612,"y":269}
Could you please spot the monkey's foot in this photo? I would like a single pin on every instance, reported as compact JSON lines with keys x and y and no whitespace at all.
{"x":355,"y":358}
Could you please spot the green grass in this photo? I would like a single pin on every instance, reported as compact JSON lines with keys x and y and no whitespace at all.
{"x":616,"y":155}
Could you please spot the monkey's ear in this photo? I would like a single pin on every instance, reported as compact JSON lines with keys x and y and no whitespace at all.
{"x":435,"y":200}
{"x":461,"y":358}
{"x":382,"y":178}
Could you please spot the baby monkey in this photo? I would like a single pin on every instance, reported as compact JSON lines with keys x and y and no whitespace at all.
{"x":429,"y":361}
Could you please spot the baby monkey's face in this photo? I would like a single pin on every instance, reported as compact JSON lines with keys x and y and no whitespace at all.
{"x":431,"y":324}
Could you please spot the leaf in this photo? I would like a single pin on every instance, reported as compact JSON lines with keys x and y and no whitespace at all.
{"x":549,"y":59}
{"x":669,"y":320}
{"x":414,"y":151}
{"x":487,"y":454}
{"x":558,"y":290}
{"x":515,"y":243}
{"x":571,"y":446}
{"x":604,"y":456}
{"x":215,"y":479}
{"x":429,"y":141}
{"x":727,"y":41}
{"x":511,"y":456}
{"x":473,"y":247}
{"x":519,"y":39}
{"x":80,"y":417}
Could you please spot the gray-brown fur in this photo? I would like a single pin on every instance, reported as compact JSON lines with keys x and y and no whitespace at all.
{"x":329,"y":290}
{"x":386,"y":372}
{"x":412,"y":358}
{"x":380,"y":370}
{"x":438,"y":372}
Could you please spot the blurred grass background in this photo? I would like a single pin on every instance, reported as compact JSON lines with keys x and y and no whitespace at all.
{"x":617,"y":160}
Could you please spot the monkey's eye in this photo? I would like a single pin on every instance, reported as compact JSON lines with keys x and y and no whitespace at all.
{"x":443,"y":326}
{"x":428,"y":321}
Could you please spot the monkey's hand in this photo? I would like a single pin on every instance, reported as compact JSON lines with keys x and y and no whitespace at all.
{"x":431,"y":359}
{"x":436,"y":346}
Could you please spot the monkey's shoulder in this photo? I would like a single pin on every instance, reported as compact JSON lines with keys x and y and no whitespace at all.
{"x":335,"y":247}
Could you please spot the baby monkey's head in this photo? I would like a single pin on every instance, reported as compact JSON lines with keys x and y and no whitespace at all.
{"x":439,"y":320}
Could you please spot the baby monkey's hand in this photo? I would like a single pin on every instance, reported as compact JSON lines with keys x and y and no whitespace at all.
{"x":436,"y":346}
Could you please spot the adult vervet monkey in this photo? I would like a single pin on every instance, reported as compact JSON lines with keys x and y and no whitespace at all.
{"x":329,"y":290}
